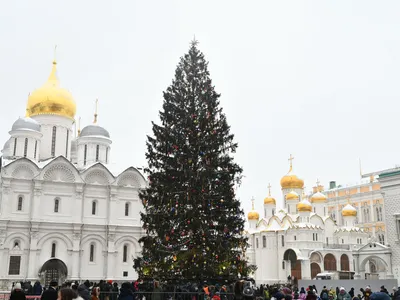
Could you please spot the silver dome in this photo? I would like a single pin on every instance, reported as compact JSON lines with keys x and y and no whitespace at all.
{"x":26,"y":123}
{"x":6,"y":147}
{"x":94,"y":130}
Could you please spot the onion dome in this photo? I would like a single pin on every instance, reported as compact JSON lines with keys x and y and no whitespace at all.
{"x":269,"y":199}
{"x":292,"y":196}
{"x":253,"y":215}
{"x":349,"y":211}
{"x":26,"y":124}
{"x":318,"y":197}
{"x":304,"y":206}
{"x":51,"y":99}
{"x":94,"y":130}
{"x":290,"y":180}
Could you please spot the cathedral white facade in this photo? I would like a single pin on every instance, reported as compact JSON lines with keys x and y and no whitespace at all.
{"x":64,"y":214}
{"x":297,"y":238}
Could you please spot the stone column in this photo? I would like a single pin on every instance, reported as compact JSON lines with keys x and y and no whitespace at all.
{"x":111,"y":256}
{"x":389,"y":273}
{"x":37,"y":193}
{"x":33,"y":269}
{"x":305,"y":269}
{"x":6,"y":206}
{"x":357,"y":275}
{"x":75,"y":256}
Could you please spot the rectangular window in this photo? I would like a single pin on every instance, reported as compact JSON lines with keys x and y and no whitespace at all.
{"x":66,"y":146}
{"x":283,"y":265}
{"x":26,"y":147}
{"x":125,"y":274}
{"x":316,"y":237}
{"x":20,"y":201}
{"x":327,"y":241}
{"x":34,"y":155}
{"x":15,"y":265}
{"x":126,"y":209}
{"x":84,"y":155}
{"x":97,"y":152}
{"x":53,"y":250}
{"x":295,"y":238}
{"x":256,"y":242}
{"x":56,"y":205}
{"x":15,"y":146}
{"x":264,"y":242}
{"x":91,"y":258}
{"x":53,"y":141}
{"x":283,"y":241}
{"x":125,"y":254}
{"x":107,"y":155}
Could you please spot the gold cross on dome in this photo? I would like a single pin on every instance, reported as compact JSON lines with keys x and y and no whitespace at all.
{"x":291,"y":160}
{"x":252,"y":203}
{"x":269,"y":189}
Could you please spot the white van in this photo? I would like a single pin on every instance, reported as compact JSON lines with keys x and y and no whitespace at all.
{"x":327,"y":276}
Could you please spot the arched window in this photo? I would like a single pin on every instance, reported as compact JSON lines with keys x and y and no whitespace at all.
{"x":283,"y":241}
{"x":273,"y":211}
{"x":56,"y":205}
{"x":91,"y":253}
{"x":264,"y":241}
{"x":97,"y":152}
{"x":380,"y":213}
{"x":34,"y":155}
{"x":94,"y":208}
{"x":84,"y":155}
{"x":53,"y":250}
{"x":344,"y":263}
{"x":26,"y":147}
{"x":66,"y":145}
{"x":108,"y":149}
{"x":125,"y":254}
{"x":329,"y":262}
{"x":15,"y":146}
{"x":20,"y":203}
{"x":126,"y":209}
{"x":53,"y":141}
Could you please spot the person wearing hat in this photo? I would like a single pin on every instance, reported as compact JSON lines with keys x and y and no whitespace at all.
{"x":343,"y":295}
{"x":51,"y":293}
{"x":17,"y":293}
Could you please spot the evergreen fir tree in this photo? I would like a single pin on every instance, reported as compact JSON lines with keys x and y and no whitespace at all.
{"x":193,"y":222}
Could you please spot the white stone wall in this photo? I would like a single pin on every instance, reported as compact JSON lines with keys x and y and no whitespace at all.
{"x":390,"y":187}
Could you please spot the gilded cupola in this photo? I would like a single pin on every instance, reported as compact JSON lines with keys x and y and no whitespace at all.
{"x":253,"y":215}
{"x":290,"y":180}
{"x":269,"y":199}
{"x":51,"y":99}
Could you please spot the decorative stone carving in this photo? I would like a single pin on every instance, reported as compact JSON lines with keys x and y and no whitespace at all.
{"x":76,"y":236}
{"x":97,"y":177}
{"x":129,"y":180}
{"x":111,"y":237}
{"x":23,"y":172}
{"x":34,"y":234}
{"x":60,"y":173}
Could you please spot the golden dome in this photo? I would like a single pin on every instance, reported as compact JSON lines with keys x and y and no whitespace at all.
{"x":253,"y":215}
{"x":51,"y":99}
{"x":292,"y":196}
{"x":291,"y":181}
{"x":349,"y":211}
{"x":269,"y":199}
{"x":304,"y":206}
{"x":318,"y":197}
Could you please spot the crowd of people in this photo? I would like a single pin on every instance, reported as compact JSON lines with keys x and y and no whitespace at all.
{"x":241,"y":290}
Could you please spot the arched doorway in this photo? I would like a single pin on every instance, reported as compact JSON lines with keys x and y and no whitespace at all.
{"x":53,"y":269}
{"x":330,"y":262}
{"x":344,"y":263}
{"x":374,"y":268}
{"x":295,"y":265}
{"x":315,"y":269}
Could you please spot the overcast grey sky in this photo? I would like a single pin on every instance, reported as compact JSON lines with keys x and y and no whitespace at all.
{"x":318,"y":79}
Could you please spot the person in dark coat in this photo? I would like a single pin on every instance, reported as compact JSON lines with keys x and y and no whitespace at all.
{"x":351,"y":292}
{"x":17,"y":293}
{"x":310,"y":294}
{"x":51,"y":292}
{"x":125,"y":292}
{"x":83,"y":291}
{"x":37,"y":288}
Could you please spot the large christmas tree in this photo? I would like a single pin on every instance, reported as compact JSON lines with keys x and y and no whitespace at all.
{"x":194,"y":224}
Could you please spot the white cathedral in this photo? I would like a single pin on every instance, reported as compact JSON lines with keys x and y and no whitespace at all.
{"x":297,"y":238}
{"x":64,"y":214}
